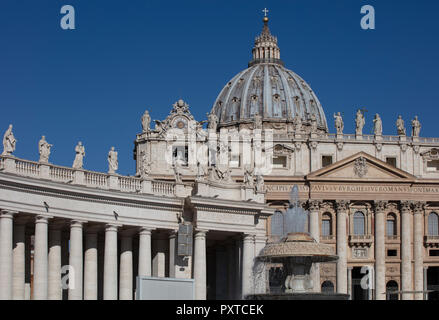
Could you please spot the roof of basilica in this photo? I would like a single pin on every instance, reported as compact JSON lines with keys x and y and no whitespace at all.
{"x":267,"y":88}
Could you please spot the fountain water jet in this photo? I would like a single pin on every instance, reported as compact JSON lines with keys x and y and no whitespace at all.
{"x":296,"y":252}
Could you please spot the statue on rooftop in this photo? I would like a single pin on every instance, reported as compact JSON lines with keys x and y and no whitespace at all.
{"x":213,"y":121}
{"x":339,"y":125}
{"x":416,"y":127}
{"x":359,"y":122}
{"x":79,"y":158}
{"x":400,"y":126}
{"x":146,"y":121}
{"x":44,"y":150}
{"x":9,"y":142}
{"x":113,"y":163}
{"x":377,"y":125}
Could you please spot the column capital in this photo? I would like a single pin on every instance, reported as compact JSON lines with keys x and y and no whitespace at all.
{"x":200,"y":233}
{"x":342,"y":205}
{"x":42,"y":219}
{"x":380,"y":205}
{"x":112,"y":227}
{"x":406,"y":207}
{"x":7,"y":213}
{"x":418,"y":207}
{"x":247,"y":237}
{"x":146,"y":230}
{"x":77,"y":223}
{"x":314,"y":205}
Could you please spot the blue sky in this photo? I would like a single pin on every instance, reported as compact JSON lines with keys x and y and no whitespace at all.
{"x":93,"y":83}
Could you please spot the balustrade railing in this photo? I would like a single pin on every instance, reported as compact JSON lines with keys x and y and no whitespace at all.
{"x":61,"y":174}
{"x":86,"y":178}
{"x":27,"y":168}
{"x":129,"y":184}
{"x":162,"y":187}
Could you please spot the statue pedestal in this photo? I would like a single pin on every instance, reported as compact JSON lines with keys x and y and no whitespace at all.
{"x":339,"y":136}
{"x":402,"y":138}
{"x":78,"y":177}
{"x":146,"y":186}
{"x":378,"y":137}
{"x":415,"y":139}
{"x":9,"y":164}
{"x":359,"y":137}
{"x":113,"y":182}
{"x":44,"y":171}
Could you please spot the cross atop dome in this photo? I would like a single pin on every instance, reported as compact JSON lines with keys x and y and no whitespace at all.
{"x":265,"y":49}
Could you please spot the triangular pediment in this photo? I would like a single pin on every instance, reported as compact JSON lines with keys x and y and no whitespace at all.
{"x":361,"y":166}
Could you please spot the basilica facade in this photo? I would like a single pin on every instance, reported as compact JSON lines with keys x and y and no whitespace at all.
{"x":374,"y":198}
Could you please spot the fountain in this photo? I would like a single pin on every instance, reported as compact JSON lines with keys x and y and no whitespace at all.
{"x":295,"y":252}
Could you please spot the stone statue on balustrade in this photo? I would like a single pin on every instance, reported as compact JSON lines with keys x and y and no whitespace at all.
{"x":359,"y":123}
{"x":44,"y":150}
{"x":377,"y":125}
{"x":9,"y":142}
{"x":416,"y":127}
{"x":248,"y":177}
{"x":178,"y":165}
{"x":213,"y":121}
{"x":159,"y":128}
{"x":113,"y":163}
{"x":146,"y":121}
{"x":79,"y":158}
{"x":338,"y":121}
{"x":400,"y":127}
{"x":297,"y":121}
{"x":259,"y":183}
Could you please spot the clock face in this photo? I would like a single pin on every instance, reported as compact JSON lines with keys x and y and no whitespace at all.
{"x":180,"y":123}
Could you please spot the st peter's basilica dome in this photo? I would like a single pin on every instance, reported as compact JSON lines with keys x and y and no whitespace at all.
{"x":266,"y":87}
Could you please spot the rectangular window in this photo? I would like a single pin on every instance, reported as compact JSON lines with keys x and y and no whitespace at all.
{"x":180,"y":152}
{"x":434,"y":253}
{"x":326,"y":161}
{"x":279,"y":162}
{"x":326,"y":228}
{"x":391,"y":161}
{"x":392,"y":253}
{"x":433,"y":166}
{"x":391,"y":228}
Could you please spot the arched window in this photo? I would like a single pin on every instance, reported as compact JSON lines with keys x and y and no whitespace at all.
{"x":359,"y":223}
{"x":326,"y":224}
{"x":433,"y":224}
{"x":391,"y":225}
{"x":391,"y":286}
{"x":327,"y":287}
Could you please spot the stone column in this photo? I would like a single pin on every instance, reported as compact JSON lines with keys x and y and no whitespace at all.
{"x":238,"y":269}
{"x":342,"y":207}
{"x":406,"y":251}
{"x":40,"y":258}
{"x":380,"y":250}
{"x":18,"y":270}
{"x":350,"y":282}
{"x":65,"y":239}
{"x":54,"y":289}
{"x":261,"y":278}
{"x":6,"y":226}
{"x":27,"y":266}
{"x":145,"y":252}
{"x":159,"y":259}
{"x":200,"y":264}
{"x":418,"y":252}
{"x":248,"y":255}
{"x":126,"y":268}
{"x":110,"y":263}
{"x":76,"y":259}
{"x":314,"y":231}
{"x":91,"y":266}
{"x":230,"y":271}
{"x":425,"y":283}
